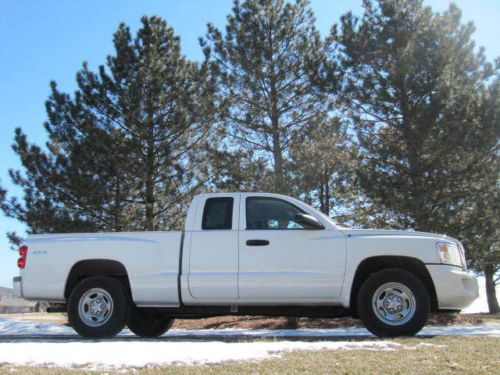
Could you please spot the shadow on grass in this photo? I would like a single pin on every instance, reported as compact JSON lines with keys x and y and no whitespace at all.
{"x":196,"y":338}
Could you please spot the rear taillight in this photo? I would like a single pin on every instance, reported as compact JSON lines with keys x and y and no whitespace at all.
{"x":23,"y":252}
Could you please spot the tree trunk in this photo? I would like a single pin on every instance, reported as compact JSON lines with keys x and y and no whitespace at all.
{"x":321,"y":197}
{"x":489,"y":274}
{"x":327,"y":194}
{"x":150,"y":175}
{"x":276,"y":138}
{"x":117,"y":212}
{"x":278,"y":165}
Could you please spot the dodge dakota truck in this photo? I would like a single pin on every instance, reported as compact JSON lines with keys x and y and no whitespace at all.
{"x":246,"y":254}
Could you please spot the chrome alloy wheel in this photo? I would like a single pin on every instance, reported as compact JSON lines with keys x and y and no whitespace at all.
{"x":394,"y":304}
{"x":95,"y":307}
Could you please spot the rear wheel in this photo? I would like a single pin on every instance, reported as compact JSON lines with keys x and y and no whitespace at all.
{"x":393,"y":302}
{"x":149,"y":325}
{"x":98,"y":307}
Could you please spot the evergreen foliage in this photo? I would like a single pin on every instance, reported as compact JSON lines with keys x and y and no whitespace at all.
{"x":126,"y":152}
{"x":481,"y":232}
{"x":413,"y":96}
{"x":321,"y":168}
{"x":266,"y":63}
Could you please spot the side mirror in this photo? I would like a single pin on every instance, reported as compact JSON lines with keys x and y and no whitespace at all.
{"x":310,"y":222}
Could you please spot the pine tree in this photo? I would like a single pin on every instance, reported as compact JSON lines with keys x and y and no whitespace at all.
{"x":5,"y":204}
{"x":321,"y":165}
{"x":163,"y":104}
{"x":413,"y":95}
{"x":266,"y":62}
{"x":238,"y":171}
{"x":73,"y":186}
{"x":481,"y":221}
{"x":126,"y":151}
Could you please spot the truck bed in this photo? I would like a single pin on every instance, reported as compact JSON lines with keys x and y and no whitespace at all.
{"x":151,"y":260}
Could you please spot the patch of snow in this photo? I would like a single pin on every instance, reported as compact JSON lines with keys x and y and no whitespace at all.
{"x":26,"y":327}
{"x":482,"y":329}
{"x":480,"y":305}
{"x":462,"y":330}
{"x":187,"y":346}
{"x":142,"y":353}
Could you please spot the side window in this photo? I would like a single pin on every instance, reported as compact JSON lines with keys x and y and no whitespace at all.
{"x":272,"y":213}
{"x":218,"y":213}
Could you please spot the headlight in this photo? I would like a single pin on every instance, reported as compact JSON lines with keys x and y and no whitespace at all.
{"x":449,"y":254}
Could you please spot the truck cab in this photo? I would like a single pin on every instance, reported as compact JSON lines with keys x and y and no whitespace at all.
{"x":249,"y":248}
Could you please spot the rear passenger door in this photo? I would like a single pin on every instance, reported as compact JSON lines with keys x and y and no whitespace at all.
{"x":213,"y":260}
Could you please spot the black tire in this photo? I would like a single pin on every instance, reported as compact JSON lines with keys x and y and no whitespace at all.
{"x":149,"y":325}
{"x":367,"y":304}
{"x":116,"y":319}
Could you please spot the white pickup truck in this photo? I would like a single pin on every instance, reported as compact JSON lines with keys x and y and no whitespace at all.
{"x":246,"y":254}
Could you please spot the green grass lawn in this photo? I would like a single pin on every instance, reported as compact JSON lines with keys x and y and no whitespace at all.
{"x":446,"y":355}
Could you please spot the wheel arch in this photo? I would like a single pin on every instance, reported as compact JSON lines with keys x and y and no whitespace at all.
{"x":377,"y":263}
{"x":96,"y":267}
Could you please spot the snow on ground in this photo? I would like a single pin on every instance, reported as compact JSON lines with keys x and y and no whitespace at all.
{"x":25,"y":327}
{"x":141,"y":353}
{"x":60,"y":346}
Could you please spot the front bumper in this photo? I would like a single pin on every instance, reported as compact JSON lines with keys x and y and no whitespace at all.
{"x":18,"y":290}
{"x":455,"y":288}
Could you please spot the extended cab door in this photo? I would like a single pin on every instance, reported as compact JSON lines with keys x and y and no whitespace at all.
{"x":283,"y":261}
{"x":213,"y":257}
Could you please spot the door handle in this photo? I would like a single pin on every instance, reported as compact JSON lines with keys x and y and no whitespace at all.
{"x":257,"y":242}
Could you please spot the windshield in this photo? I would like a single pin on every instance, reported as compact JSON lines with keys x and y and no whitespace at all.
{"x":319,"y":213}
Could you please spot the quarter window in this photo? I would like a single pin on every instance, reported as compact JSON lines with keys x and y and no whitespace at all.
{"x":272,"y":213}
{"x":218,"y":213}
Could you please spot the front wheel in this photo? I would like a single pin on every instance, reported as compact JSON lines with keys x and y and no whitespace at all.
{"x":393,"y":302}
{"x":149,"y":325}
{"x":98,"y":307}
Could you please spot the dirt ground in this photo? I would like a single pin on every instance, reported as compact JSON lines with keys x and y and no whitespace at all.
{"x":261,"y":322}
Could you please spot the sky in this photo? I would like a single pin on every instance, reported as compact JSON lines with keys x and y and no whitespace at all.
{"x":48,"y":40}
